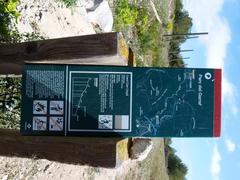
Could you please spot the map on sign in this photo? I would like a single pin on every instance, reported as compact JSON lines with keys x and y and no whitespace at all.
{"x":165,"y":105}
{"x":71,"y":100}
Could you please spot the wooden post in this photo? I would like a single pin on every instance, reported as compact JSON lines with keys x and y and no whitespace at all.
{"x":101,"y":49}
{"x":185,"y":50}
{"x":187,"y":34}
{"x":175,"y":59}
{"x":180,"y":39}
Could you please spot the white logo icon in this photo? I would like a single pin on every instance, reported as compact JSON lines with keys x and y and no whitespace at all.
{"x":208,"y":76}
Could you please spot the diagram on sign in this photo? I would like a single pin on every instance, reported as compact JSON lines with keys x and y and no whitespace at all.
{"x":39,"y":123}
{"x":56,"y":107}
{"x":105,"y":121}
{"x":56,"y":123}
{"x":80,"y":87}
{"x":92,"y":101}
{"x":165,"y":105}
{"x":39,"y":107}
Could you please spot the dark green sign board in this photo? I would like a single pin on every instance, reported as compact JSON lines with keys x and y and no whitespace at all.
{"x":73,"y":100}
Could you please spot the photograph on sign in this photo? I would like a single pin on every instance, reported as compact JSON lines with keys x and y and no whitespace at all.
{"x":105,"y":121}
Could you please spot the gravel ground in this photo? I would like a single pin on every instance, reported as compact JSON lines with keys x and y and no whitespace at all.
{"x":152,"y":166}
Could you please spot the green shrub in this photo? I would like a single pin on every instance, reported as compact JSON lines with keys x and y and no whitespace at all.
{"x":182,"y":24}
{"x":177,"y":170}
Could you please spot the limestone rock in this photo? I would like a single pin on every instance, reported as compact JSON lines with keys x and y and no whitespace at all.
{"x":52,"y":19}
{"x":140,"y":148}
{"x":99,"y":14}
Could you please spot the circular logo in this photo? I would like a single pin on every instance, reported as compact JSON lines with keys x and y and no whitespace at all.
{"x":208,"y":76}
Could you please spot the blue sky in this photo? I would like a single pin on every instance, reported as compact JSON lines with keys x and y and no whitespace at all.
{"x":216,"y":158}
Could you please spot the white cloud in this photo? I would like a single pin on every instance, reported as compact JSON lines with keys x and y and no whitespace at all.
{"x":215,"y":163}
{"x":217,"y":41}
{"x":231,"y":146}
{"x":229,"y":93}
{"x":228,"y":90}
{"x":207,"y":18}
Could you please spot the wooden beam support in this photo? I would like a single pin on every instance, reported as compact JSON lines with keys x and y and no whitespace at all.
{"x":75,"y":150}
{"x":107,"y":49}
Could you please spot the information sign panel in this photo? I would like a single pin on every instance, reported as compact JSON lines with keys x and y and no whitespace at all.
{"x":73,"y":100}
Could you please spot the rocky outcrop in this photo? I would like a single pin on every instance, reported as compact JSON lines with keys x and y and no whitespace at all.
{"x":140,"y":148}
{"x":99,"y":13}
{"x":51,"y":19}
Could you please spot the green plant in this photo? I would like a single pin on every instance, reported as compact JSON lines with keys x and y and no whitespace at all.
{"x":69,"y":3}
{"x":8,"y":17}
{"x":10,"y":98}
{"x":125,"y":14}
{"x":170,"y":26}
